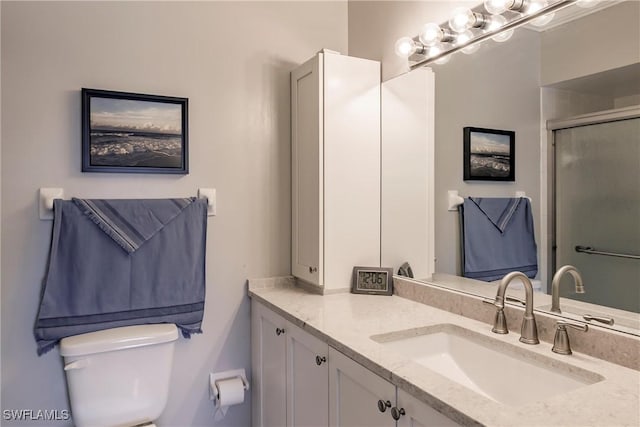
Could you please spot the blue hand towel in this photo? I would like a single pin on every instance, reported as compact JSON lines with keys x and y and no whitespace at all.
{"x":498,"y":238}
{"x":93,"y":284}
{"x":130,"y":223}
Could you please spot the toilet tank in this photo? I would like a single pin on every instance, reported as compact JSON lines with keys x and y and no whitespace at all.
{"x":119,"y":376}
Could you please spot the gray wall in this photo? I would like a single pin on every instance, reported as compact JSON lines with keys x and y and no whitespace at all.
{"x":232,"y":60}
{"x":495,"y":88}
{"x":592,"y":44}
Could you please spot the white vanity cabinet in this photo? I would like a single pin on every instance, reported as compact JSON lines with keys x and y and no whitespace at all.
{"x":299,"y":381}
{"x":290,"y":373}
{"x":418,"y":414}
{"x":358,"y":397}
{"x":354,"y":393}
{"x":335,"y":138}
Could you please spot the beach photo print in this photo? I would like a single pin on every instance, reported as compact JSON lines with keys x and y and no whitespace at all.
{"x":489,"y":154}
{"x":130,"y":132}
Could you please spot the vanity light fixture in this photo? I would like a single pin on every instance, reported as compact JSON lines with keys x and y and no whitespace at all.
{"x":436,"y":51}
{"x":406,"y":46}
{"x":464,"y":19}
{"x":498,"y":7}
{"x":474,"y":27}
{"x":463,"y":38}
{"x":536,"y":5}
{"x":433,"y":34}
{"x":497,"y":22}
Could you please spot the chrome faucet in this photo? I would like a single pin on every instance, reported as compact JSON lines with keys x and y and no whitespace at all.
{"x":555,"y":285}
{"x":529,"y":330}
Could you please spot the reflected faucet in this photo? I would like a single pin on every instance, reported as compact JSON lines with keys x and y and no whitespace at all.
{"x":555,"y":285}
{"x":529,"y":330}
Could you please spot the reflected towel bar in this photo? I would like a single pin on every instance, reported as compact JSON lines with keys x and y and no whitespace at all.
{"x":592,"y":251}
{"x":454,"y":199}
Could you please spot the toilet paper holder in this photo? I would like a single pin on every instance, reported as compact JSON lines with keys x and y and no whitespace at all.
{"x":214,"y":392}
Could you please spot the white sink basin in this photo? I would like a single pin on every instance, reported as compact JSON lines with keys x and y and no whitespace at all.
{"x":497,"y":370}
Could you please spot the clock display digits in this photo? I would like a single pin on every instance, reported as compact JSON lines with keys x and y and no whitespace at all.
{"x":372,"y":279}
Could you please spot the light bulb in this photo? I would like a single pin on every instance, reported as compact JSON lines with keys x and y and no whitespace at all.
{"x":434,"y":51}
{"x":534,"y":7}
{"x":405,"y":47}
{"x":496,"y":7}
{"x":462,"y":20}
{"x":498,"y":21}
{"x":464,"y":38}
{"x":587,"y":3}
{"x":437,"y":50}
{"x":431,"y":34}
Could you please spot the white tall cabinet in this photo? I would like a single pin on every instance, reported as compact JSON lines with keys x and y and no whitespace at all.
{"x":335,"y":116}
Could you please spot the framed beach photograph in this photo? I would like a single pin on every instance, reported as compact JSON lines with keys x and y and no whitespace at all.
{"x":132,"y":132}
{"x":489,"y":154}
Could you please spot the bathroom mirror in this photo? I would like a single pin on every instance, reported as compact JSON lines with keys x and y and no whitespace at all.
{"x":540,"y":76}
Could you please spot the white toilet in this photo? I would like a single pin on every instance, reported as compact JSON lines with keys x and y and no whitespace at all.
{"x":119,"y":377}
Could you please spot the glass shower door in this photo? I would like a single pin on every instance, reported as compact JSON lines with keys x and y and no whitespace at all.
{"x":597,"y":187}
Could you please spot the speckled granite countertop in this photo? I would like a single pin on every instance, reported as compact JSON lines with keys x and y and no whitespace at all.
{"x":347,"y":321}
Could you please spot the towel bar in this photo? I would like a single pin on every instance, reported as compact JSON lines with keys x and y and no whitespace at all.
{"x":593,"y":251}
{"x":454,"y":199}
{"x":48,"y":195}
{"x":210,"y":195}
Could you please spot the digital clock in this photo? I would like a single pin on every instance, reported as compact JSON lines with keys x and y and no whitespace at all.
{"x":372,"y":280}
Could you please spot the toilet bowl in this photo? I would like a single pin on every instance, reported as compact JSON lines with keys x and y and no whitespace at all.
{"x":119,"y":377}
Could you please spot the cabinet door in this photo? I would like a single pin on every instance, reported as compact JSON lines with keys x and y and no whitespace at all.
{"x":354,"y":392}
{"x":307,"y":380}
{"x":419,"y":414}
{"x":307,"y":171}
{"x":268,"y":344}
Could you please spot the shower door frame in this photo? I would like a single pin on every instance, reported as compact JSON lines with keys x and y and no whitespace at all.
{"x":607,"y":116}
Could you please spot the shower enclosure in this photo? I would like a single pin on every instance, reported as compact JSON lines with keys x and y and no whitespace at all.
{"x":597,"y":205}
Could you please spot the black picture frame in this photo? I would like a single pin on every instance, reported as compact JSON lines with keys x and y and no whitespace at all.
{"x":125,"y":132}
{"x":372,"y":280}
{"x":489,"y":154}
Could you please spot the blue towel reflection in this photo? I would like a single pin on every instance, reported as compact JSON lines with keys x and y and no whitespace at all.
{"x":498,"y":237}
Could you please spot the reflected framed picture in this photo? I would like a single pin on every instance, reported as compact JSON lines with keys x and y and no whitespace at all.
{"x":134,"y":133}
{"x":489,"y":154}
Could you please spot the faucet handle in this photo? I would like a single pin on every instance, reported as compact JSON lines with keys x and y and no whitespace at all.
{"x":561,"y":344}
{"x":510,"y":298}
{"x":500,"y":321}
{"x":602,"y":319}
